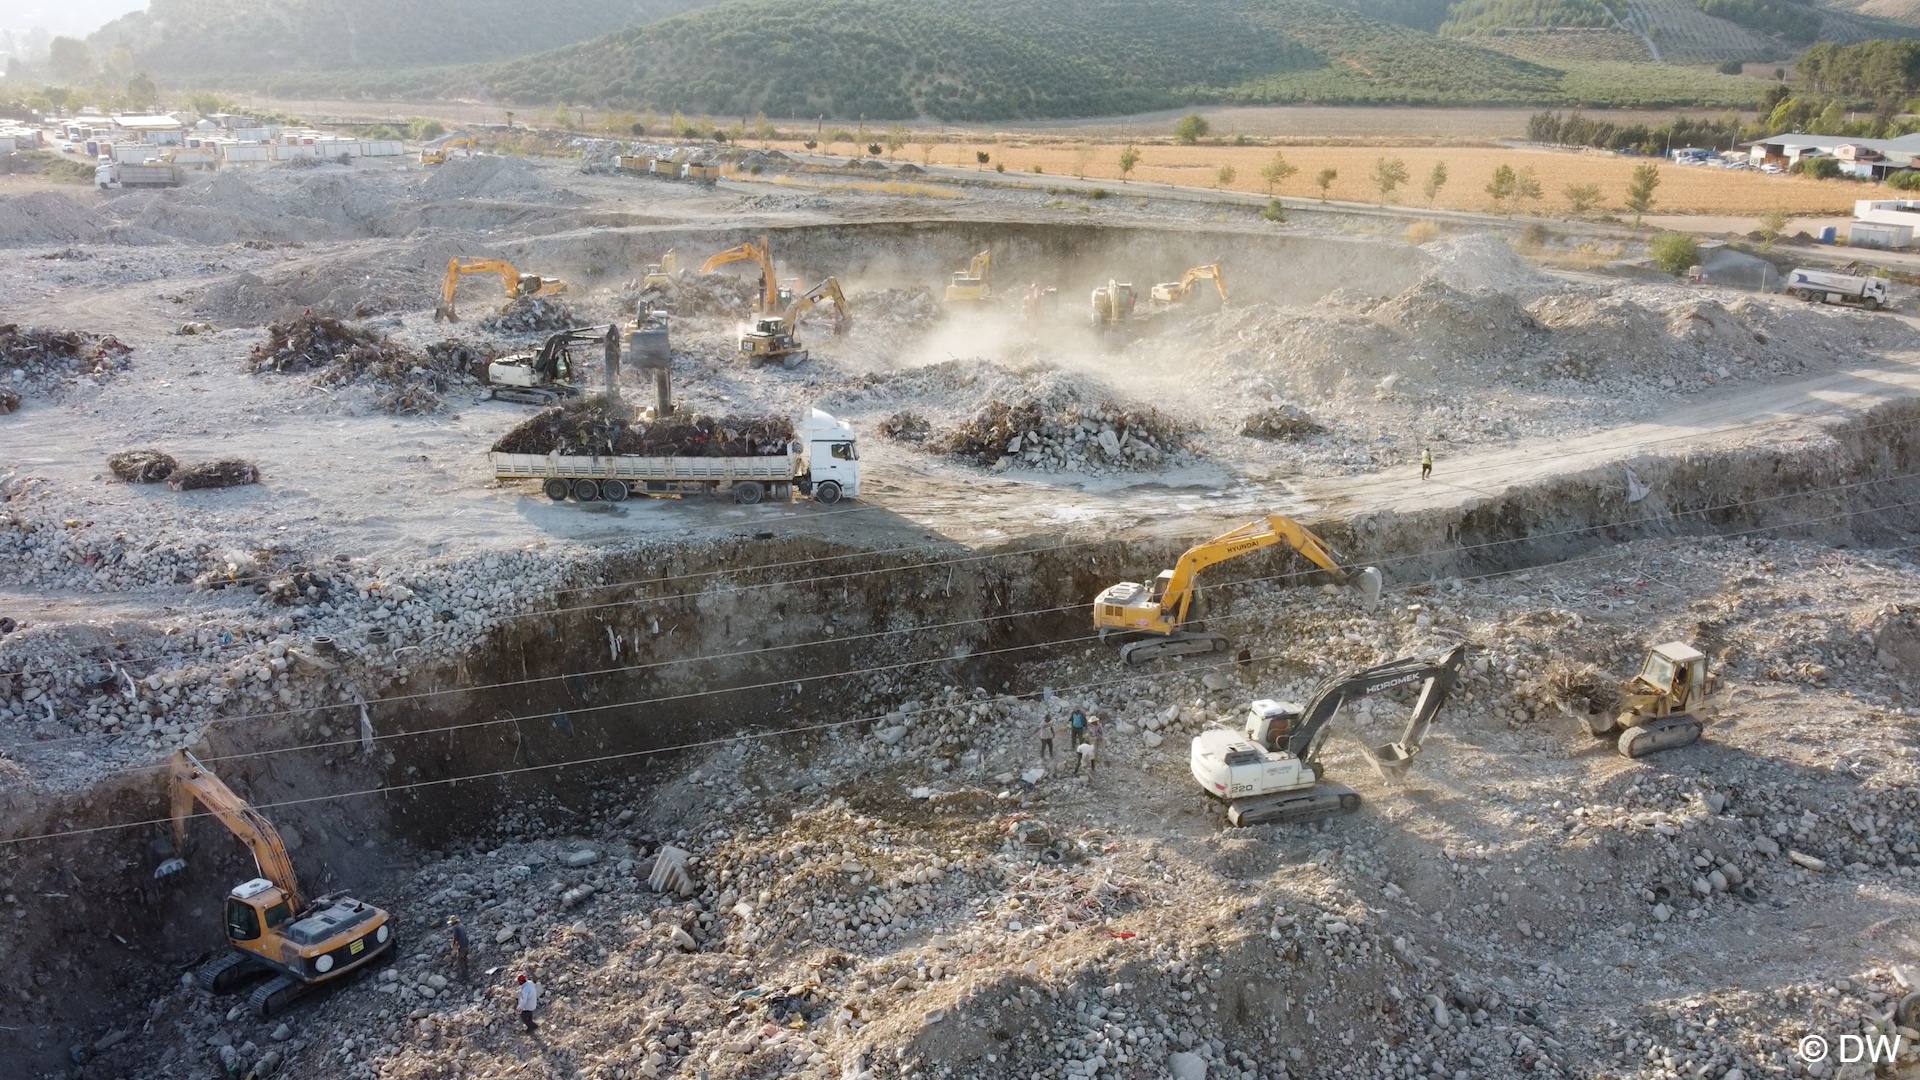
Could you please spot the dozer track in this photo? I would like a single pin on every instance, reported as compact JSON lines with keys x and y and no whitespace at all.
{"x":1666,"y":733}
{"x":272,"y":997}
{"x":1291,"y":807}
{"x":229,"y":972}
{"x":1180,"y":643}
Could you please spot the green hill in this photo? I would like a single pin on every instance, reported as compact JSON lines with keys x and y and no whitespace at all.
{"x":178,"y":37}
{"x":989,"y":60}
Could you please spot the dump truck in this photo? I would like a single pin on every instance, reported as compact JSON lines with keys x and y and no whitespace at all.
{"x":124,"y":174}
{"x":823,"y":463}
{"x":1826,"y":287}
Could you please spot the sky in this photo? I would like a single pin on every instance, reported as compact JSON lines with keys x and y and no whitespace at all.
{"x":72,"y":17}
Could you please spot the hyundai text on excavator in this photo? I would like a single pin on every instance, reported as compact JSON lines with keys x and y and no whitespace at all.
{"x":1173,"y":292}
{"x":276,"y":933}
{"x":773,"y":298}
{"x":772,"y":339}
{"x":516,"y":283}
{"x":545,"y":376}
{"x":1155,"y":613}
{"x":1272,"y":772}
{"x":974,"y":284}
{"x":1665,"y":706}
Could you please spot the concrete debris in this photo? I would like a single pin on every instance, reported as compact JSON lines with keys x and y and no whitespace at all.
{"x":533,"y":315}
{"x":1281,"y":422}
{"x":45,"y":362}
{"x":1105,"y":436}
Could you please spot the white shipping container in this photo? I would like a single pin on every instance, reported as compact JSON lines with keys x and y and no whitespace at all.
{"x":385,"y":148}
{"x":7,"y":144}
{"x":245,"y":152}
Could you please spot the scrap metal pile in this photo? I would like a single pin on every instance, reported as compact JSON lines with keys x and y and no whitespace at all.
{"x":600,"y":425}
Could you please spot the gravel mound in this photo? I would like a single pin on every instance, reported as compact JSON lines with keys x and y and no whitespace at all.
{"x":45,"y":218}
{"x":491,"y":176}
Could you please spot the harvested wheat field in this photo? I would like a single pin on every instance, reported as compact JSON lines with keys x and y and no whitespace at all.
{"x":1683,"y":190}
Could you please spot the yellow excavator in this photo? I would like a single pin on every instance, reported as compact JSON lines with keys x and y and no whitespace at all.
{"x":275,"y":932}
{"x":973,"y":285}
{"x":1153,"y":615}
{"x":1113,"y":305}
{"x":1173,"y":292}
{"x":772,"y":338}
{"x":439,"y":154}
{"x":773,"y":298}
{"x":512,"y":280}
{"x":659,"y":276}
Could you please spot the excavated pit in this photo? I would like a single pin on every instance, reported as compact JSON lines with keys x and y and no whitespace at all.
{"x":554,"y":715}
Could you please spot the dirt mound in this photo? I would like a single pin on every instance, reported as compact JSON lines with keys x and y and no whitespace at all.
{"x":45,"y":217}
{"x":1482,"y":261}
{"x":600,"y":425}
{"x":491,"y":176}
{"x":533,"y":315}
{"x":142,"y":466}
{"x":1436,"y":316}
{"x":44,"y":362}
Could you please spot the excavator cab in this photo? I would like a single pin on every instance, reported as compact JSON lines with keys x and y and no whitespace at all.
{"x":1270,"y":723}
{"x":254,"y":908}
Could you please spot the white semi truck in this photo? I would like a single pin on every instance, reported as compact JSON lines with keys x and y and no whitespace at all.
{"x":822,"y":463}
{"x":1826,"y":287}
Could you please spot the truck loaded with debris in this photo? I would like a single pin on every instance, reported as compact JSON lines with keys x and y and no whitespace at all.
{"x":1829,"y":288}
{"x":596,"y":449}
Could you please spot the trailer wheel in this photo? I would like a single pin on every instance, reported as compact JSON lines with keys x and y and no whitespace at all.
{"x":614,"y":490}
{"x":827,"y":491}
{"x":585,"y":490}
{"x":746,"y":493}
{"x":556,"y":489}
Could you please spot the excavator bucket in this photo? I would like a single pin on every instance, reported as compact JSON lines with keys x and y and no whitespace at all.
{"x":169,"y":868}
{"x":1368,"y":580}
{"x":1392,"y":760}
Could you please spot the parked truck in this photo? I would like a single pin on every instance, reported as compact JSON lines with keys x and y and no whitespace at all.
{"x":1826,"y":287}
{"x":823,"y":463}
{"x":121,"y":174}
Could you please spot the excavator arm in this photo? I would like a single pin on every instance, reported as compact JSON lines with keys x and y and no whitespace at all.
{"x":1437,"y":675}
{"x":192,"y":782}
{"x":759,"y":253}
{"x":1254,"y":535}
{"x":512,"y":282}
{"x":828,"y":290}
{"x":981,"y":265}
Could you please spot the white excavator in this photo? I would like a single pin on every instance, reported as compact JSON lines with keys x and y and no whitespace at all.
{"x":1151,"y":617}
{"x":1271,"y":771}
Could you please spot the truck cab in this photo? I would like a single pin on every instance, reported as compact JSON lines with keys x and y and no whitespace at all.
{"x":833,"y":458}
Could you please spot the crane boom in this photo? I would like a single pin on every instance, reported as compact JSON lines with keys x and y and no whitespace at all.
{"x":760,"y":254}
{"x":193,"y":782}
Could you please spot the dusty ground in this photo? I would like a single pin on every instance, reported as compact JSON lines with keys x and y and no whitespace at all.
{"x":1525,"y":904}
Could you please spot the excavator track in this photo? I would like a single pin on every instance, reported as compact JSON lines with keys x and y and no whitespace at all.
{"x":272,"y":997}
{"x":524,"y":397}
{"x":1292,"y":807}
{"x":1180,"y":643}
{"x":1666,"y":733}
{"x":227,"y":973}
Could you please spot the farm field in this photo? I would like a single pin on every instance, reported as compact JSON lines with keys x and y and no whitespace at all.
{"x":1689,"y":190}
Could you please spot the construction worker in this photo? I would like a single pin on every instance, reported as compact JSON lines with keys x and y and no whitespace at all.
{"x":1046,"y":738}
{"x":1076,"y":726}
{"x":458,"y":944}
{"x":1086,"y":750}
{"x":529,"y":1000}
{"x":1426,"y":463}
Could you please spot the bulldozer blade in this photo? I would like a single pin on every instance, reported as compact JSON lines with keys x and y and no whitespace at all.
{"x":169,"y":868}
{"x":1654,"y":736}
{"x":1369,"y":582}
{"x":1392,"y":760}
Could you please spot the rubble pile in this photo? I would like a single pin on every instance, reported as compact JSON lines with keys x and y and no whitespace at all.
{"x":533,"y":315}
{"x":333,"y":351}
{"x":893,"y":311}
{"x":597,"y":424}
{"x":225,"y":473}
{"x":142,"y":466}
{"x":43,"y":362}
{"x":1281,"y":422}
{"x":906,"y":426}
{"x":717,"y":295}
{"x":1075,"y":439}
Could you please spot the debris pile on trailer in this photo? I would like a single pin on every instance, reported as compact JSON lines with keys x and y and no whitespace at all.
{"x":600,"y":425}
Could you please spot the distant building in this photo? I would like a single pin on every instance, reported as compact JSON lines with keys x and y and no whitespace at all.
{"x":1867,"y":159}
{"x":1884,"y":223}
{"x":152,"y":130}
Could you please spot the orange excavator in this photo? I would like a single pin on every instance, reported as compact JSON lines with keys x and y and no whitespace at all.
{"x":515,"y":283}
{"x":773,"y":298}
{"x":274,"y":932}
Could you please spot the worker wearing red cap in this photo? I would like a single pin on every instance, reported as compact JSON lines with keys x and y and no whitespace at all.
{"x":529,"y":1000}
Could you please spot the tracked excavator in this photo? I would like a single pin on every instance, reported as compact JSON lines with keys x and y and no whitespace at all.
{"x":659,"y":276}
{"x":1173,"y":292}
{"x":1665,"y":705}
{"x":773,"y":297}
{"x":296,"y":945}
{"x":772,"y":339}
{"x":546,"y":375}
{"x":1154,"y":614}
{"x":516,"y":283}
{"x":1271,"y":772}
{"x":973,"y":285}
{"x":438,"y":155}
{"x":1113,"y":305}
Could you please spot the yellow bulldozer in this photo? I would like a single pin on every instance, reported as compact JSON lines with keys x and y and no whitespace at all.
{"x":772,"y":338}
{"x":1151,"y":617}
{"x":515,"y":283}
{"x":1665,"y":706}
{"x":274,"y":932}
{"x":1174,"y":292}
{"x":974,"y":284}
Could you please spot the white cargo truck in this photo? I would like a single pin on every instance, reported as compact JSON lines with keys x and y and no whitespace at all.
{"x":111,"y":174}
{"x":823,"y":463}
{"x":1826,"y":287}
